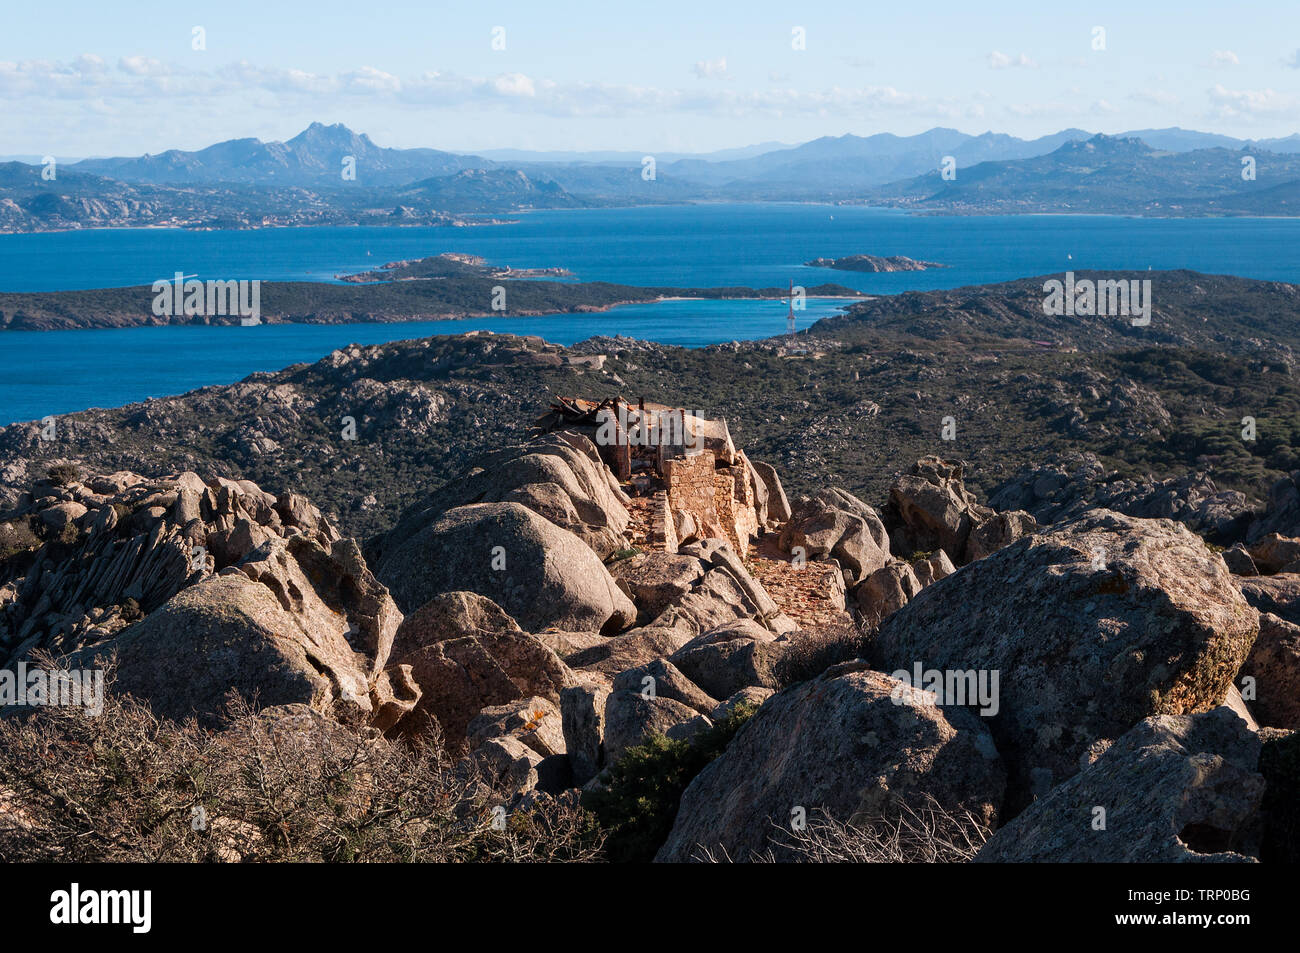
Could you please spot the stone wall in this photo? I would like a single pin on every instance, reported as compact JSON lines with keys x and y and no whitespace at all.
{"x":692,"y":490}
{"x":735,"y":504}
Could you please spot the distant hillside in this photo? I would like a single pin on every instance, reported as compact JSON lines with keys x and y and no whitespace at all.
{"x":1111,"y":175}
{"x":456,"y":292}
{"x":29,"y":203}
{"x":314,"y":157}
{"x":827,"y":408}
{"x":473,"y":190}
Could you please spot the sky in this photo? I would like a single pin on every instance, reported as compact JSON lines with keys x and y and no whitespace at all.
{"x":128,"y":77}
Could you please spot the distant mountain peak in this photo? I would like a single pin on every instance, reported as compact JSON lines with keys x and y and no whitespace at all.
{"x":336,"y":136}
{"x":1114,"y":145}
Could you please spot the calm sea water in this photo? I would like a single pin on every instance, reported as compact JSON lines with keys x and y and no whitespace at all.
{"x":708,"y":245}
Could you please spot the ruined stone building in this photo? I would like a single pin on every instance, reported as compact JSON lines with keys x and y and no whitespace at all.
{"x":700,"y":485}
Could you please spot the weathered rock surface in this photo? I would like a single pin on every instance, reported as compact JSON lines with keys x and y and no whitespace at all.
{"x":658,"y":580}
{"x":1278,"y":594}
{"x":999,"y":530}
{"x":467,"y":655}
{"x":559,"y":476}
{"x":832,"y":524}
{"x":1054,"y":494}
{"x":665,"y":680}
{"x":507,"y":764}
{"x":626,"y":651}
{"x":930,"y":508}
{"x":582,"y":712}
{"x":852,"y":742}
{"x":534,"y":721}
{"x":1175,"y":788}
{"x":886,"y":591}
{"x":723,"y":668}
{"x":117,"y":547}
{"x":1274,"y":664}
{"x":1091,"y":627}
{"x":540,"y":574}
{"x":631,"y":716}
{"x":778,"y":505}
{"x":1238,"y":561}
{"x":1276,"y":553}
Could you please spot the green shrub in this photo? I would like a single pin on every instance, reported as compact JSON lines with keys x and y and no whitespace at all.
{"x":63,"y":474}
{"x":637,"y":808}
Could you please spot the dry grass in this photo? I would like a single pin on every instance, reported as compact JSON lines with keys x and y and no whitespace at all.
{"x":926,"y":834}
{"x":280,"y":785}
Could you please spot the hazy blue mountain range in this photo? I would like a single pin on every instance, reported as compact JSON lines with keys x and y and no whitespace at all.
{"x":1110,"y":174}
{"x":249,"y":183}
{"x":313,"y":157}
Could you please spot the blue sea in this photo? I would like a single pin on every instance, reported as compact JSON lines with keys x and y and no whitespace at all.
{"x":685,"y":246}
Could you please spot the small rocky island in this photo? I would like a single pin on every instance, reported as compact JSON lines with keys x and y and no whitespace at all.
{"x":449,"y":265}
{"x":874,"y":263}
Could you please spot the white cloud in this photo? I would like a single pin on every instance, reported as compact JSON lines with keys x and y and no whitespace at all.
{"x":156,"y":85}
{"x":1000,"y":60}
{"x":1222,"y":58}
{"x":1293,"y":60}
{"x":142,"y":66}
{"x":514,"y":84}
{"x":370,"y":80}
{"x":707,"y":69}
{"x":1250,"y":103}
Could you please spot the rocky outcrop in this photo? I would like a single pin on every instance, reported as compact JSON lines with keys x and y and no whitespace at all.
{"x":852,"y":742}
{"x":467,"y":655}
{"x":538,"y":573}
{"x":114,"y":548}
{"x":1173,"y":789}
{"x":1052,"y":494}
{"x":1282,"y":512}
{"x":582,"y":715}
{"x":723,"y":668}
{"x":238,"y":590}
{"x":999,"y":530}
{"x":280,"y":627}
{"x":658,"y":580}
{"x":778,"y":505}
{"x":886,"y":590}
{"x":1090,"y":627}
{"x":1279,"y":594}
{"x":533,"y":721}
{"x":930,"y":509}
{"x":630,"y":717}
{"x":833,"y":524}
{"x":559,"y":476}
{"x":662,"y":679}
{"x":1274,"y":667}
{"x":1275,"y":553}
